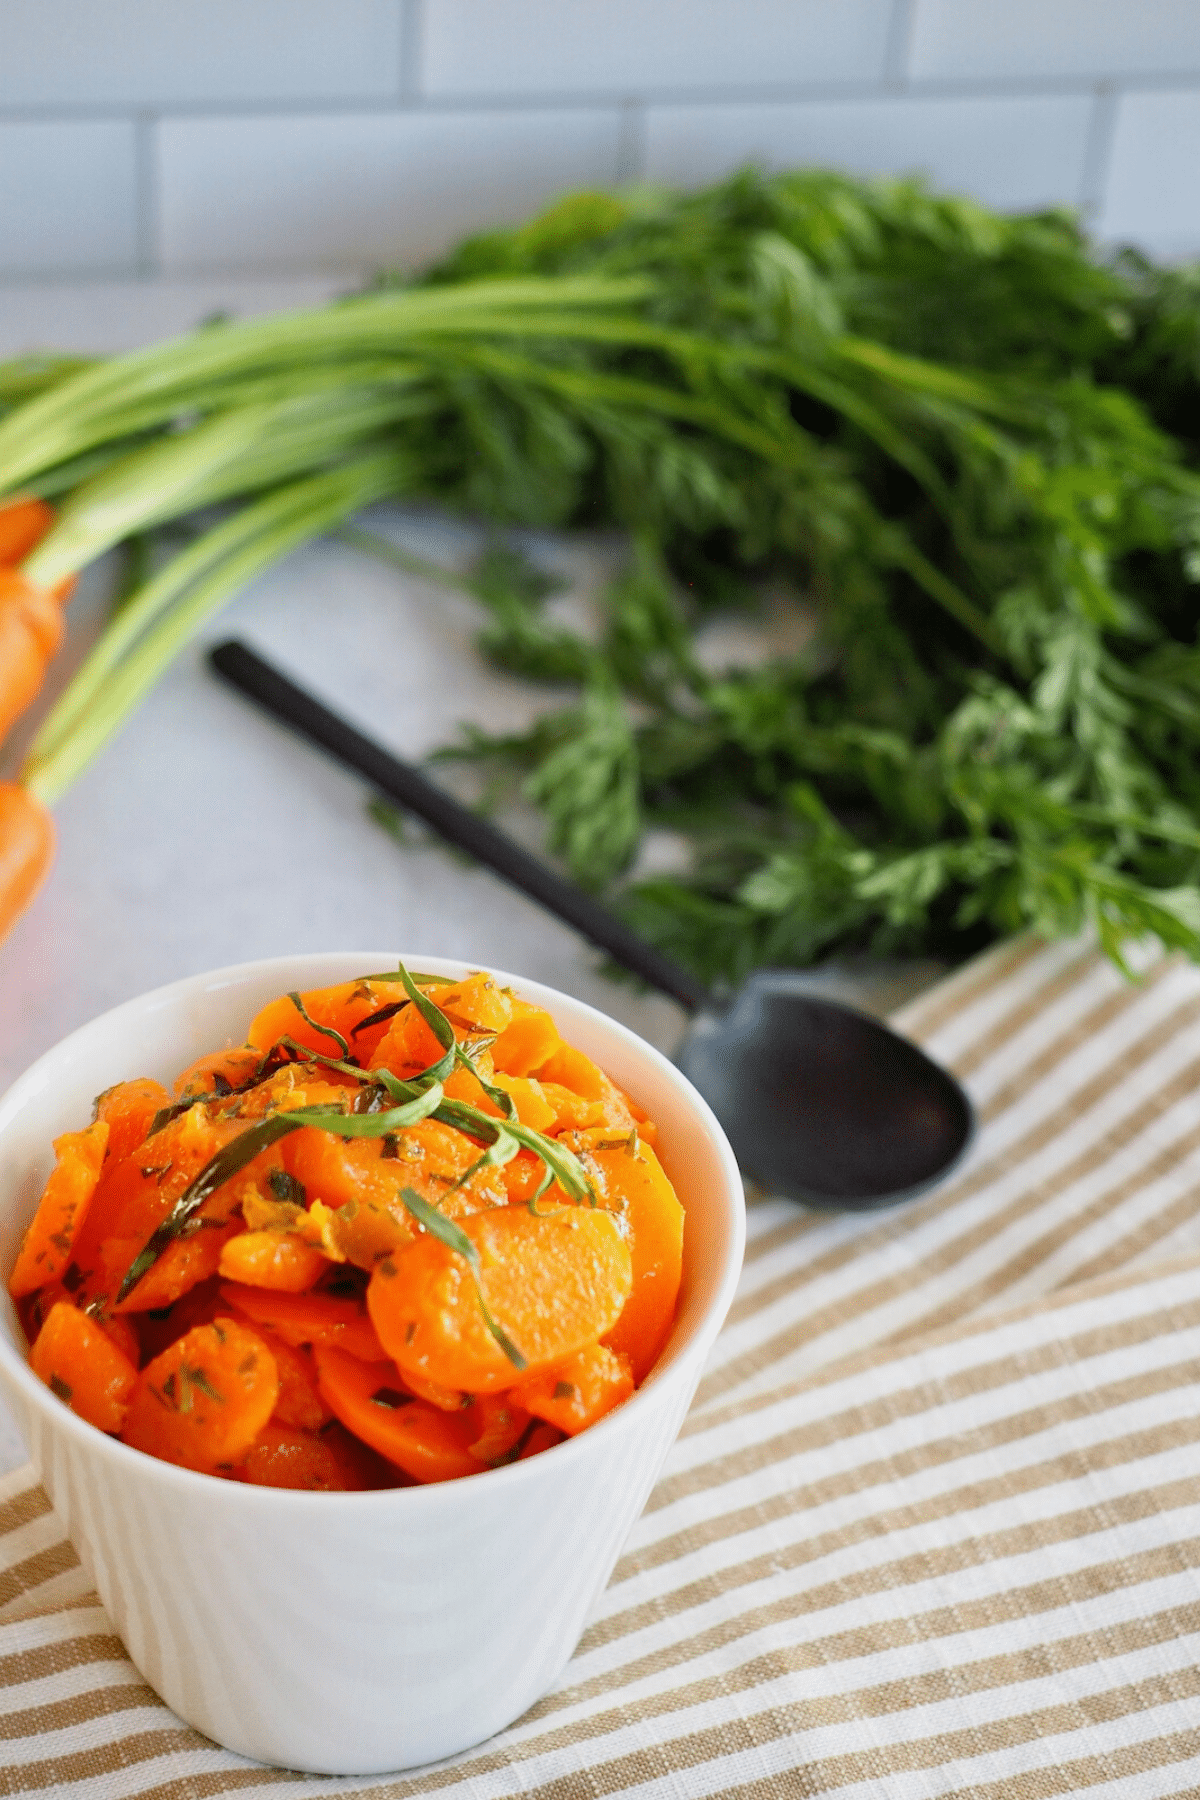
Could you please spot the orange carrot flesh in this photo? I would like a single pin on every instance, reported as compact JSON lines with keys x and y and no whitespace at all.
{"x":203,"y":1402}
{"x":24,"y":522}
{"x":527,"y":1043}
{"x":634,"y":1179}
{"x":283,"y":1456}
{"x":552,"y":1281}
{"x":31,"y":628}
{"x":26,"y":850}
{"x":371,"y":1402}
{"x":79,"y":1362}
{"x":46,"y":1247}
{"x":271,"y":1259}
{"x":322,"y":1320}
{"x":183,"y":1265}
{"x":217,"y":1072}
{"x":578,"y":1391}
{"x":129,"y":1110}
{"x":298,"y":1402}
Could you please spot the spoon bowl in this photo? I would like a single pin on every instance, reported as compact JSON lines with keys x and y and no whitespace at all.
{"x":821,"y":1103}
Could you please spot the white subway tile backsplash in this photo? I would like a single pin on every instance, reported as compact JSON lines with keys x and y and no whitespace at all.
{"x":981,"y":39}
{"x":67,"y":197}
{"x":358,"y":190}
{"x":1153,"y":196}
{"x":1008,"y":152}
{"x":498,"y":47}
{"x":168,"y":52}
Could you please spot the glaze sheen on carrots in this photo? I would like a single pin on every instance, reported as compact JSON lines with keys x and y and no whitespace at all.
{"x":404,"y":1234}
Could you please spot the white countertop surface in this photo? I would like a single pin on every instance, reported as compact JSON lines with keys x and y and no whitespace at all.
{"x":204,"y":835}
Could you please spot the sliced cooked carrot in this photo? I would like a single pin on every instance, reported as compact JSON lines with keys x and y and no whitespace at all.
{"x":129,"y":1110}
{"x":430,"y":1158}
{"x":572,"y":1112}
{"x":552,"y":1281}
{"x":283,"y":1456}
{"x":634,"y":1180}
{"x":203,"y":1402}
{"x":408,"y":1047}
{"x":577,"y":1392}
{"x":31,"y":628}
{"x":79,"y":1362}
{"x":46,"y":1247}
{"x":317,"y":1319}
{"x":26,"y":850}
{"x":217,"y":1072}
{"x":478,"y":1001}
{"x":122,"y":1333}
{"x":533,"y":1108}
{"x":298,"y":1403}
{"x":343,"y":1008}
{"x":372,"y":1403}
{"x":184,"y":1263}
{"x":570,"y":1068}
{"x":272,"y":1259}
{"x":501,"y":1422}
{"x":24,"y":522}
{"x":527,"y":1043}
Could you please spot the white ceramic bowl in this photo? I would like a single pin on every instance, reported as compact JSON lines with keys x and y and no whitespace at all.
{"x":355,"y":1633}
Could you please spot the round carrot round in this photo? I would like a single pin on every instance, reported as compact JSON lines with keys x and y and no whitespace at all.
{"x":203,"y":1402}
{"x":550,"y":1282}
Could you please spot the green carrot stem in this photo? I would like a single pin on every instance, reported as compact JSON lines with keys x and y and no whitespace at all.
{"x":319,"y":503}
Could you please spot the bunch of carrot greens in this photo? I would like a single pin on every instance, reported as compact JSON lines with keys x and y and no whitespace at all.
{"x":969,"y":442}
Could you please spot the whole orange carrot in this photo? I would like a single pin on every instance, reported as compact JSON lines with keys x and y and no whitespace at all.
{"x":31,"y":629}
{"x":24,"y":522}
{"x":26,"y":850}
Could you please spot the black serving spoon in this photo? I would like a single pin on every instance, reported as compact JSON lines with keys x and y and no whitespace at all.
{"x":821,"y":1102}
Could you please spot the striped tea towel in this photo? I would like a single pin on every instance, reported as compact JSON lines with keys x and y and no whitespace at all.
{"x":933,"y":1525}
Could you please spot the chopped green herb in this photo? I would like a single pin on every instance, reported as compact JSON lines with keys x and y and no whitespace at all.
{"x":565,"y":1390}
{"x":325,"y":1030}
{"x":61,"y":1388}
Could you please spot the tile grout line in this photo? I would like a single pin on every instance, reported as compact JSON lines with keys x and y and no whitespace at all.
{"x":145,"y":148}
{"x":631,"y":144}
{"x":411,"y":36}
{"x":898,"y":48}
{"x":1097,"y":154}
{"x":850,"y":92}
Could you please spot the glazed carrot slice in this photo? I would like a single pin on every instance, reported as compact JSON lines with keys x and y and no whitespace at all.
{"x":46,"y":1247}
{"x":182,"y":1265}
{"x":203,"y":1402}
{"x":577,"y":1392}
{"x":478,"y":1001}
{"x":283,"y":1456}
{"x":129,"y":1110}
{"x":299,"y":1402}
{"x":344,"y":1008}
{"x":217,"y":1072}
{"x":570,"y":1068}
{"x":501,"y":1422}
{"x":634,"y":1180}
{"x":372,"y":1403}
{"x":527,"y":1043}
{"x":409,"y":1046}
{"x":317,"y":1319}
{"x":79,"y":1362}
{"x":24,"y":522}
{"x":26,"y":850}
{"x":552,"y":1281}
{"x":533,"y":1107}
{"x":272,"y":1259}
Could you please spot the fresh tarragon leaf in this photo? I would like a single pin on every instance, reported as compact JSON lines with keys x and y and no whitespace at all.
{"x":448,"y":1233}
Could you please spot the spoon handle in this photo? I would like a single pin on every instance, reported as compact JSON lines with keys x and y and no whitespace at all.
{"x":278,"y":695}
